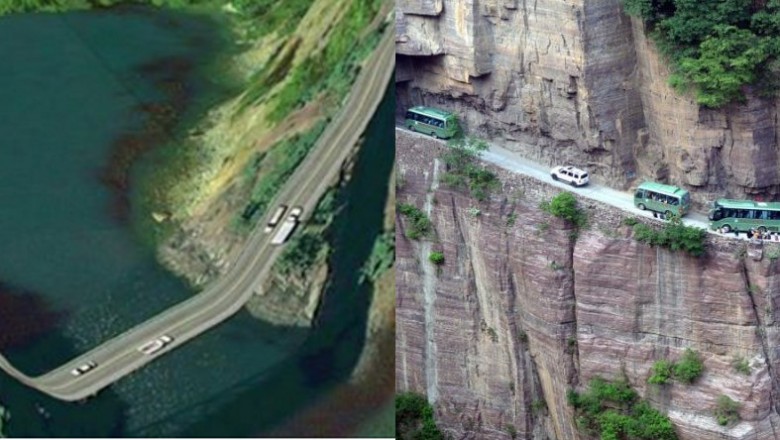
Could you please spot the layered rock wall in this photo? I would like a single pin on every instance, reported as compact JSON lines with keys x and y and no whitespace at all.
{"x":523,"y":309}
{"x":556,"y":75}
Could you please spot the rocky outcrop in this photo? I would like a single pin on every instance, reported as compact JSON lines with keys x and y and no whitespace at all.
{"x":555,"y":75}
{"x":524,"y":309}
{"x":580,"y":82}
{"x":730,"y":152}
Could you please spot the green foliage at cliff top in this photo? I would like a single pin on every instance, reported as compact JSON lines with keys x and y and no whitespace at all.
{"x":614,"y":411}
{"x":674,"y":235}
{"x":717,"y":47}
{"x":564,"y":205}
{"x":463,"y":169}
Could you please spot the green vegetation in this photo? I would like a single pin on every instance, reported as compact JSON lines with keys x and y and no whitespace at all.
{"x":726,"y":410}
{"x":538,"y":406}
{"x":382,"y":257}
{"x":310,"y":246}
{"x":564,"y":206}
{"x":741,"y":365}
{"x":674,"y":235}
{"x":662,"y":372}
{"x":463,"y":170}
{"x":414,"y":418}
{"x":686,"y":370}
{"x":716,"y":46}
{"x":630,"y":221}
{"x":419,"y":225}
{"x":436,"y":258}
{"x":689,"y":367}
{"x":511,"y":430}
{"x":510,"y":219}
{"x":276,"y":167}
{"x":332,"y":70}
{"x":614,"y":411}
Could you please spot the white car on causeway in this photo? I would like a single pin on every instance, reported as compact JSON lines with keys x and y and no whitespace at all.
{"x":571,"y":175}
{"x":155,"y":345}
{"x":81,"y":369}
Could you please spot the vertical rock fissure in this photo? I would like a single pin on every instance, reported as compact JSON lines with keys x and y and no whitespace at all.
{"x":429,"y":297}
{"x":761,"y":335}
{"x":575,"y":352}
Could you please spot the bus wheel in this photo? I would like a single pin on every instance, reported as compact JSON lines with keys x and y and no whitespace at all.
{"x":762,"y":230}
{"x":667,"y":215}
{"x":641,"y":206}
{"x":726,"y":229}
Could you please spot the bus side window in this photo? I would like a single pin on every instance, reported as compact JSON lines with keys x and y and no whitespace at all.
{"x":764,"y":215}
{"x":675,"y":201}
{"x":640,"y":194}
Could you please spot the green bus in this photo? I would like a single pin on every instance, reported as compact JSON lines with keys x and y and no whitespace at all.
{"x":745,"y":215}
{"x":435,"y":122}
{"x":666,"y":199}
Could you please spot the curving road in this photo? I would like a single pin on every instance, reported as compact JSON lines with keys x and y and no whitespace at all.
{"x":511,"y":161}
{"x":119,"y":356}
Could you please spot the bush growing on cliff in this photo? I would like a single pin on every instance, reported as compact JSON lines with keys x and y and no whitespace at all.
{"x":726,"y":410}
{"x":613,"y":411}
{"x":436,"y":258}
{"x":463,"y":170}
{"x":419,"y":225}
{"x":689,"y":367}
{"x":414,"y":418}
{"x":662,"y":372}
{"x":674,"y":235}
{"x":686,"y":370}
{"x":564,"y":205}
{"x":741,"y":365}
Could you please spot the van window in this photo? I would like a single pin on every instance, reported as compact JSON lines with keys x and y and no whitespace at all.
{"x":640,"y":194}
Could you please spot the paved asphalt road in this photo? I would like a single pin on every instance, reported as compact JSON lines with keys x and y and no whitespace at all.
{"x":624,"y":200}
{"x":119,"y":356}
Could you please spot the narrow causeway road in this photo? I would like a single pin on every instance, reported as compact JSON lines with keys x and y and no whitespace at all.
{"x":119,"y":356}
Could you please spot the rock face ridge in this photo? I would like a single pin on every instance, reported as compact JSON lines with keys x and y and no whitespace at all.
{"x":523,"y":310}
{"x":579,"y":82}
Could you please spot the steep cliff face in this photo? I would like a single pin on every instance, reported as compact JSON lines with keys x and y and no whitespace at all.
{"x":579,"y":81}
{"x":523,"y":310}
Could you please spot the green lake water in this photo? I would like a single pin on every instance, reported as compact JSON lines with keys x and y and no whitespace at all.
{"x":70,"y":85}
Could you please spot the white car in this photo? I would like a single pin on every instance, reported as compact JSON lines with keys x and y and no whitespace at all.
{"x":296,"y":212}
{"x":571,"y":175}
{"x":155,"y":345}
{"x":81,"y":369}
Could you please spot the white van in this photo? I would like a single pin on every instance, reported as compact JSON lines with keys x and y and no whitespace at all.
{"x":571,"y":175}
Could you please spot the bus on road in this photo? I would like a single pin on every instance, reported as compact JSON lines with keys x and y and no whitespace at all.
{"x":745,"y":215}
{"x":665,"y":199}
{"x":437,"y":123}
